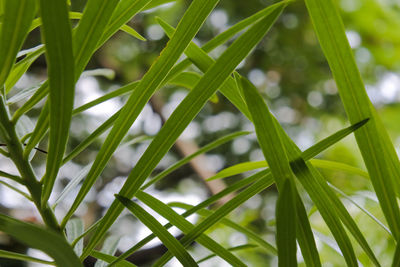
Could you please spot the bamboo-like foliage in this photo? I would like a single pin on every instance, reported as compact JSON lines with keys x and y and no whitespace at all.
{"x":294,"y":172}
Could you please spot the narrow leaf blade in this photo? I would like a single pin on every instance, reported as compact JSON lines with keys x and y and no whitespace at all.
{"x":14,"y":28}
{"x":376,"y":148}
{"x":169,"y":241}
{"x":60,"y":60}
{"x":185,"y":112}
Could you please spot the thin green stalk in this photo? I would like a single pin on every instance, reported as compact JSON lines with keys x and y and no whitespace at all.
{"x":16,"y":190}
{"x":7,"y":130}
{"x":12,"y":177}
{"x":4,"y":153}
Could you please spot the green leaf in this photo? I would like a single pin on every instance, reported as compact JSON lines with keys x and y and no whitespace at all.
{"x":21,"y":67}
{"x":236,"y":248}
{"x":107,"y":73}
{"x":331,"y":140}
{"x":314,"y":184}
{"x":16,"y":190}
{"x":12,"y":177}
{"x":89,"y":140}
{"x":327,"y":203}
{"x":86,"y":232}
{"x":25,"y":52}
{"x":118,"y":92}
{"x":189,"y":80}
{"x":24,"y":93}
{"x":396,"y":258}
{"x":285,"y":227}
{"x":192,"y":20}
{"x":60,"y":61}
{"x":238,"y":169}
{"x":373,"y":141}
{"x":369,"y":214}
{"x":77,"y":15}
{"x":86,"y":39}
{"x":260,"y":185}
{"x":275,"y":154}
{"x":43,"y":123}
{"x":108,"y":258}
{"x":14,"y":29}
{"x":157,"y":3}
{"x":124,"y":12}
{"x":222,"y":38}
{"x":306,"y":155}
{"x":185,"y":226}
{"x":202,"y":150}
{"x":45,"y":240}
{"x":181,"y":117}
{"x":16,"y":256}
{"x":31,"y":102}
{"x":89,"y":31}
{"x":204,"y":62}
{"x":250,"y":234}
{"x":73,"y":230}
{"x":319,"y":163}
{"x":328,"y":242}
{"x":338,"y":166}
{"x":232,"y":188}
{"x":168,"y":240}
{"x":305,"y":236}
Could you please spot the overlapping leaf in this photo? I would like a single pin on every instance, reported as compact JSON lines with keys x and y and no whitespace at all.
{"x":173,"y":245}
{"x":232,"y":188}
{"x":184,"y":113}
{"x":179,"y":221}
{"x":202,"y":150}
{"x":286,"y":208}
{"x":376,"y":148}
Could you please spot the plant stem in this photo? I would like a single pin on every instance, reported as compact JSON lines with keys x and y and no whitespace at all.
{"x":7,"y":130}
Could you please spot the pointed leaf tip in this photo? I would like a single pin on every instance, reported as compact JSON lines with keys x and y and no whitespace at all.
{"x":357,"y":125}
